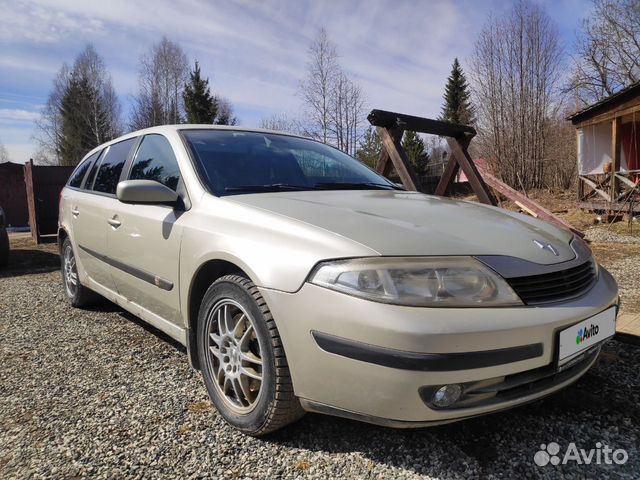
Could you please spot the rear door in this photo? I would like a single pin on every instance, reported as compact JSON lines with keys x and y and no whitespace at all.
{"x":145,"y":246}
{"x":90,"y":211}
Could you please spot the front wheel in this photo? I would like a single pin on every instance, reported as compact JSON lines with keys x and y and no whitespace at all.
{"x":243,"y":362}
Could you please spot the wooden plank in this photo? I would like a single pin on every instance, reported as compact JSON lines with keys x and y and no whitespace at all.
{"x":594,"y":187}
{"x":459,"y":152}
{"x":628,"y":327}
{"x":526,"y":209}
{"x":514,"y":195}
{"x":615,"y":154}
{"x":602,"y":206}
{"x":383,"y":118}
{"x":400,"y":161}
{"x":383,"y":167}
{"x":31,"y":201}
{"x":626,"y":181}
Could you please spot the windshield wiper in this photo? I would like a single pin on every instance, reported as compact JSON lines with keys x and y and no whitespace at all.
{"x":356,"y":186}
{"x":274,"y":187}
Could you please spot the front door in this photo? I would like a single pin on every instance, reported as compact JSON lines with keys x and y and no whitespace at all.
{"x":144,"y":240}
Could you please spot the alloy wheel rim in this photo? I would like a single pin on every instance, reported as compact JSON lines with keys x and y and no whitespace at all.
{"x":234,"y":355}
{"x":70,"y":272}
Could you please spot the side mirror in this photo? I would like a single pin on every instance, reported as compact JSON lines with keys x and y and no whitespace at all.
{"x":145,"y":191}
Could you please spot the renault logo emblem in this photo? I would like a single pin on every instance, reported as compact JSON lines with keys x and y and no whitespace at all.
{"x":547,"y":246}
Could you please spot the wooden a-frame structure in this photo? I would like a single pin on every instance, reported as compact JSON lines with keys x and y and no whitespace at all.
{"x":392,"y":125}
{"x":390,"y":128}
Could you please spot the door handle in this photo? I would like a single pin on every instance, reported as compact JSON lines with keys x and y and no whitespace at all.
{"x":114,"y":222}
{"x":75,"y":212}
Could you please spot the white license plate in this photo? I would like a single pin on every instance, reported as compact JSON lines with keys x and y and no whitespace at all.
{"x":586,"y":334}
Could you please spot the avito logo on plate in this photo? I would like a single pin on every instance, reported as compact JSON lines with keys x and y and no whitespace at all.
{"x":584,"y":333}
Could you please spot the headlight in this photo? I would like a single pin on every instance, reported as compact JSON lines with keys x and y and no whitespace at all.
{"x":420,"y":282}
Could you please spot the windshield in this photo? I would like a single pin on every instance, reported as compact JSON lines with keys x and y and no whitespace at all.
{"x":236,"y":162}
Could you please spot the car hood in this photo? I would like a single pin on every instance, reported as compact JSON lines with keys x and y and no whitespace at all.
{"x":399,"y":223}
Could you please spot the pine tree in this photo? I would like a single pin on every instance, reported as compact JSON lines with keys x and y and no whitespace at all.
{"x":457,"y":106}
{"x":84,"y":120}
{"x":199,"y":104}
{"x":416,"y":151}
{"x":370,"y":148}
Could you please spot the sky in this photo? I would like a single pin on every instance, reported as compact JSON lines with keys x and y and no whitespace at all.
{"x":254,"y":52}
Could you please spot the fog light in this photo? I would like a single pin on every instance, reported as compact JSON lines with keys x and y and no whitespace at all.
{"x":447,"y":395}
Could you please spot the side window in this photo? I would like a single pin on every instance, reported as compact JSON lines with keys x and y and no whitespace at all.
{"x":111,"y":166}
{"x":155,"y":161}
{"x":78,"y":174}
{"x":94,"y":168}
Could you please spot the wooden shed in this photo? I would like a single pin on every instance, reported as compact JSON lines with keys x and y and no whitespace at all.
{"x":608,"y":136}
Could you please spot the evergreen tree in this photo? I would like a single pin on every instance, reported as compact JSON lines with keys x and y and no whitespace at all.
{"x":84,"y":118}
{"x":457,"y":106}
{"x":203,"y":107}
{"x":416,"y":151}
{"x":199,"y":104}
{"x":370,"y":148}
{"x":82,"y":111}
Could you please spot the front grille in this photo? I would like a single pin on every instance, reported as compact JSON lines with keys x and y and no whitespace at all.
{"x":555,"y":286}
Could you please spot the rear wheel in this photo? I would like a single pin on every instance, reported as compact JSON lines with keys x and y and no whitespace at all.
{"x":78,"y":294}
{"x":243,"y":363}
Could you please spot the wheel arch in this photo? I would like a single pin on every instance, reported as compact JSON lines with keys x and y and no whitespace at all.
{"x":62,"y":235}
{"x":205,"y":275}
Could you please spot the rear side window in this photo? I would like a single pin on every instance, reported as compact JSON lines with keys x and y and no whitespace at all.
{"x":78,"y":174}
{"x":155,"y":160}
{"x":109,"y":173}
{"x":92,"y":173}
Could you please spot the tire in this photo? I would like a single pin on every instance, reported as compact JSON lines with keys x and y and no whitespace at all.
{"x":235,"y":331}
{"x":4,"y":247}
{"x":79,"y":296}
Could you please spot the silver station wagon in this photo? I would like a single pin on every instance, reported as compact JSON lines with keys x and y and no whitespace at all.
{"x":300,"y":280}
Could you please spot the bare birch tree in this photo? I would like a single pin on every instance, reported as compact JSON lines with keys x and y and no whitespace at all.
{"x":317,"y":88}
{"x":608,"y":50}
{"x":515,"y":71}
{"x":281,"y":122}
{"x":334,"y":106}
{"x":163,"y":74}
{"x":346,"y":115}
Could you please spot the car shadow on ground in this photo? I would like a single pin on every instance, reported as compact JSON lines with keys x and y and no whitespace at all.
{"x":29,"y":261}
{"x":151,"y":329}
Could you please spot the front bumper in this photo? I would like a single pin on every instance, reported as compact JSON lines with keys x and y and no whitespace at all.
{"x":523,"y":337}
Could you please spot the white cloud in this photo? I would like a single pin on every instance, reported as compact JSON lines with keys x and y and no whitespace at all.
{"x":17,"y":115}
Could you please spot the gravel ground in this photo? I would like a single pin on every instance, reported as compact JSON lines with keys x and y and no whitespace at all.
{"x":98,"y":393}
{"x":620,"y":254}
{"x":606,"y":234}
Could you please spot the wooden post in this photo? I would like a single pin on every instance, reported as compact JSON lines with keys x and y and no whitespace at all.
{"x":400,"y":160}
{"x":450,"y":171}
{"x":384,"y":164}
{"x":580,"y":182}
{"x":460,"y":157}
{"x":31,"y":201}
{"x":615,"y":157}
